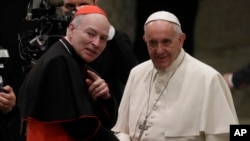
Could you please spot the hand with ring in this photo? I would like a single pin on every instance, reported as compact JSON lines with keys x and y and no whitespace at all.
{"x":7,"y":99}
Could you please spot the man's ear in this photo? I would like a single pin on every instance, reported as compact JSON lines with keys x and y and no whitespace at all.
{"x":70,"y":29}
{"x":144,"y":38}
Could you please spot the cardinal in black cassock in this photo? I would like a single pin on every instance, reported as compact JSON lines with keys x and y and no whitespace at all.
{"x":55,"y":102}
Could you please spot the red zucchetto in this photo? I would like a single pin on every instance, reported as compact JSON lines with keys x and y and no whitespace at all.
{"x":89,"y":9}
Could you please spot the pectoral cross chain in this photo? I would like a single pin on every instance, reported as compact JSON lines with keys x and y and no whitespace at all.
{"x":143,"y":127}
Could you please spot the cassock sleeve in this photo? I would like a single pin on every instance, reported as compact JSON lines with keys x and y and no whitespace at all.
{"x":106,"y":111}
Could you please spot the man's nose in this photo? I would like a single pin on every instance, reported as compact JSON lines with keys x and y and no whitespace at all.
{"x":96,"y":41}
{"x":159,"y":48}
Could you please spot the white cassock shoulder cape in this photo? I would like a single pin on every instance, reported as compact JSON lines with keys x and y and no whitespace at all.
{"x":198,"y":100}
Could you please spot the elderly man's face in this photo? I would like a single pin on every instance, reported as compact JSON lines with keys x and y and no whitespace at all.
{"x":89,"y":36}
{"x":163,"y":42}
{"x":74,"y":4}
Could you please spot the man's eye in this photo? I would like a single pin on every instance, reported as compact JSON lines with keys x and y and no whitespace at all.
{"x":166,"y":43}
{"x":152,"y":44}
{"x":104,"y":38}
{"x":91,"y":34}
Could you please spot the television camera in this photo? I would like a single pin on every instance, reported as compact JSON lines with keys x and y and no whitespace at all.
{"x":42,"y":26}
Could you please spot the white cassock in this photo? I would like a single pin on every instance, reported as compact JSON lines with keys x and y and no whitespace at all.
{"x":194,"y":103}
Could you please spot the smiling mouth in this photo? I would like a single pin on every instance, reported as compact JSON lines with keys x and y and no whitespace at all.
{"x":161,"y":57}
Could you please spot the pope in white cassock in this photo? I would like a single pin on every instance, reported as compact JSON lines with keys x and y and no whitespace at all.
{"x":173,"y":96}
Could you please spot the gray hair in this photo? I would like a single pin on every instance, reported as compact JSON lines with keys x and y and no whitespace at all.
{"x":76,"y":22}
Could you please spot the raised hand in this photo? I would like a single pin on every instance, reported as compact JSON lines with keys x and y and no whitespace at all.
{"x":98,"y":88}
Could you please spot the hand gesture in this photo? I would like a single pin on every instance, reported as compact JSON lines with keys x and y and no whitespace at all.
{"x":7,"y":99}
{"x":98,"y":88}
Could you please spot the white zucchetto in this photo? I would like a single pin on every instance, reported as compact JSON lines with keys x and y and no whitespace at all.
{"x":163,"y":15}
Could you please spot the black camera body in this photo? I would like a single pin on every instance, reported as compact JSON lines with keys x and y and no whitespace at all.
{"x":41,"y":28}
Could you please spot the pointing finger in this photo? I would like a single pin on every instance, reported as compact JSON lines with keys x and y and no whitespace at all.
{"x":92,"y":75}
